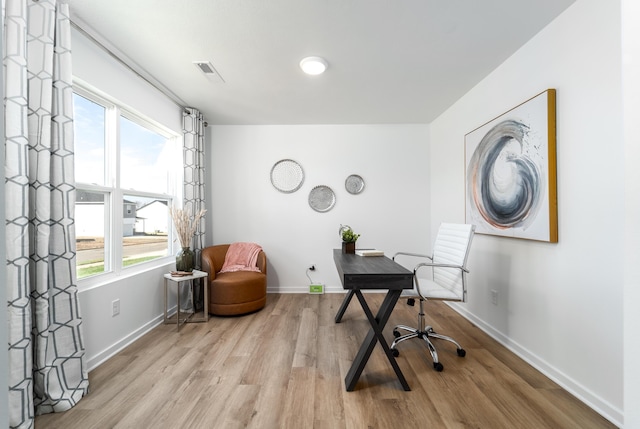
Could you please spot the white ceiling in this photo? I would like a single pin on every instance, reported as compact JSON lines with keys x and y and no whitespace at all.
{"x":390,"y":61}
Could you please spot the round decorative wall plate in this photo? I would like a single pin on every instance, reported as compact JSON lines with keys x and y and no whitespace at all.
{"x":354,"y":184}
{"x":322,"y":198}
{"x":287,"y":175}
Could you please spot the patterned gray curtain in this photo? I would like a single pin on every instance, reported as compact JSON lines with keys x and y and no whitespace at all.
{"x":193,"y":128}
{"x":47,"y":372}
{"x":193,"y":153}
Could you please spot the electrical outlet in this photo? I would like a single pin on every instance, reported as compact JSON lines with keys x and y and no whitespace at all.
{"x":494,"y":296}
{"x":115,"y":308}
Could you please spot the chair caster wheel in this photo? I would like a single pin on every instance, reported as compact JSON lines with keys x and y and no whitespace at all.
{"x":396,"y":333}
{"x":461,"y":352}
{"x":395,"y":352}
{"x":438,"y":366}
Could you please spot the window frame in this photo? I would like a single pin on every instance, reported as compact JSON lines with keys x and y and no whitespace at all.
{"x":113,"y":240}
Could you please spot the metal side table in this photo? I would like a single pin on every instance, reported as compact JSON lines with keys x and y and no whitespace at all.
{"x":178,"y":280}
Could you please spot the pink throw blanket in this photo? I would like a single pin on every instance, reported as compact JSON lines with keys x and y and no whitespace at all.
{"x":241,"y":257}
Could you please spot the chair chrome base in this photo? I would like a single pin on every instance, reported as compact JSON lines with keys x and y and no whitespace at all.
{"x":424,"y":332}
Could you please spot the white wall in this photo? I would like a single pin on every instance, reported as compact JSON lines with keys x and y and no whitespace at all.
{"x":631,"y":97}
{"x":392,"y":213}
{"x":94,"y":66}
{"x":559,"y":305}
{"x":139,"y":289}
{"x":141,"y":308}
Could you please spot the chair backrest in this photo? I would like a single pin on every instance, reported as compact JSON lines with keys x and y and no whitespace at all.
{"x":212,"y":258}
{"x":452,"y":247}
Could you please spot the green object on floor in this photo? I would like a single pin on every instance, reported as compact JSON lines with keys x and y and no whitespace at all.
{"x":316,"y":288}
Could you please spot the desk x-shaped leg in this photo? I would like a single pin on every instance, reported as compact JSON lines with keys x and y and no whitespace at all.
{"x":345,"y":304}
{"x":375,"y":334}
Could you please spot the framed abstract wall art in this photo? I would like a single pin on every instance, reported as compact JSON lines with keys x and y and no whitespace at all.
{"x":511,"y":172}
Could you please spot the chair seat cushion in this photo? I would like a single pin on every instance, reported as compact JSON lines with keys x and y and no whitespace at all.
{"x":431,"y":290}
{"x":237,"y":292}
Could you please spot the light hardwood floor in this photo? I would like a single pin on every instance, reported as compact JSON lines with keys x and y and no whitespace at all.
{"x":284,"y":367}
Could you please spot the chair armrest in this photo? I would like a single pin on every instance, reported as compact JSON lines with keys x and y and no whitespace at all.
{"x":262,"y":262}
{"x":434,"y":264}
{"x":208,"y":262}
{"x":212,"y":259}
{"x":418,"y":255}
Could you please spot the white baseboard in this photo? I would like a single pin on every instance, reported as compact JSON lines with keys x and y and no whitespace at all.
{"x":602,"y":407}
{"x":303,"y":289}
{"x":95,"y":361}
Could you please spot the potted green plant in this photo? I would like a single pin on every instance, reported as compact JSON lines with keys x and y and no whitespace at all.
{"x":349,"y":238}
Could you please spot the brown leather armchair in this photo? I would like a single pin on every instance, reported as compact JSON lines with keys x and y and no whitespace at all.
{"x":236,"y":292}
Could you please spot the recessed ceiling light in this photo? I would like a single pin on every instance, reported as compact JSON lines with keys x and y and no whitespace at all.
{"x":313,"y":65}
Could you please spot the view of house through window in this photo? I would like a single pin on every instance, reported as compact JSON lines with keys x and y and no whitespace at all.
{"x":145,"y":228}
{"x":121,"y":207}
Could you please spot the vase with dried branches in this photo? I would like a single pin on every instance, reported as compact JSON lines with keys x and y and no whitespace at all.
{"x":185,"y":229}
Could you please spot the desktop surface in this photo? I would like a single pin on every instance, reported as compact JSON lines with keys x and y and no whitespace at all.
{"x":371,"y":272}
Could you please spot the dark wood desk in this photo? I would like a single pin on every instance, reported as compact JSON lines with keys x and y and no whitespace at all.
{"x":359,"y":273}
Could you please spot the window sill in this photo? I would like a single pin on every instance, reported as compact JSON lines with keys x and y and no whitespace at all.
{"x":100,"y":280}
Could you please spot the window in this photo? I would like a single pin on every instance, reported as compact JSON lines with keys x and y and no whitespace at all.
{"x":125,"y":181}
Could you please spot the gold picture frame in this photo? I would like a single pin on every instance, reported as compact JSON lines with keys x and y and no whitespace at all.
{"x":510,"y":169}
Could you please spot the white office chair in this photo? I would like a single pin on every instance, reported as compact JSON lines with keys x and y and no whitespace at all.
{"x":448,"y":268}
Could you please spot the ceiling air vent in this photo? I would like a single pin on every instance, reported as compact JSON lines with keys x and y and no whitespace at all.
{"x":207,"y":68}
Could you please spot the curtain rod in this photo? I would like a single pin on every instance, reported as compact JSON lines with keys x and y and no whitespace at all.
{"x":164,"y":91}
